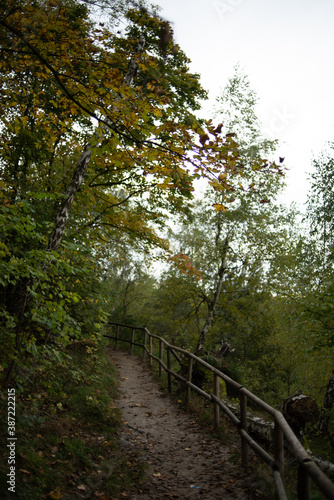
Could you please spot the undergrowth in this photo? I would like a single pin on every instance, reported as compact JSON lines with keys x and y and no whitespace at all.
{"x":66,"y":429}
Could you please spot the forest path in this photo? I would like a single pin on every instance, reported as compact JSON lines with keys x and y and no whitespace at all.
{"x":183,"y":461}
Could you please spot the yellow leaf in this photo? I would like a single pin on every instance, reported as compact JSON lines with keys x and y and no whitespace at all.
{"x":56,"y":494}
{"x":219,"y":207}
{"x":157,"y":112}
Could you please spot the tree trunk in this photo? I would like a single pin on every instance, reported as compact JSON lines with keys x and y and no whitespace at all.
{"x":81,"y":167}
{"x":328,"y":405}
{"x":63,"y":213}
{"x":212,"y":304}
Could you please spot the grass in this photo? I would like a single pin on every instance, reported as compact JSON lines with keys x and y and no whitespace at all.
{"x":66,"y":427}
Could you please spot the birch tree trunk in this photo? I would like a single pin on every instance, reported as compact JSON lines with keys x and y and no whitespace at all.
{"x":64,"y":211}
{"x":212,"y":304}
{"x":81,"y":167}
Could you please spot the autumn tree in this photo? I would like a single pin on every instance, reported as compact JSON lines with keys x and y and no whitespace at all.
{"x":231,"y":233}
{"x":236,"y":107}
{"x":233,"y":260}
{"x":100,"y":141}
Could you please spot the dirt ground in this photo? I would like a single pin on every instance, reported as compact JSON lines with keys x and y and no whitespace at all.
{"x":183,"y":460}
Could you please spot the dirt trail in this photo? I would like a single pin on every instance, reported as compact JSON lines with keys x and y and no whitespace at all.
{"x":183,"y":461}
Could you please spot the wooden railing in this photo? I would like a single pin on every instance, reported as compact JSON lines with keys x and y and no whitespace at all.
{"x":284,"y":437}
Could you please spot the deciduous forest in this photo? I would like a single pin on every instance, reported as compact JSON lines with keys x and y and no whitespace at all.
{"x":119,"y":204}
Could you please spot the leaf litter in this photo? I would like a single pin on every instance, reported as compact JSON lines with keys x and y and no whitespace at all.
{"x":182,"y":460}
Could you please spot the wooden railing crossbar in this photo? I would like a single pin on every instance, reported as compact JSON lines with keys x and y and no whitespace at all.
{"x":283,"y":434}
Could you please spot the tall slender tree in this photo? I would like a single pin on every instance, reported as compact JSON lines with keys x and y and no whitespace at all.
{"x":318,"y":303}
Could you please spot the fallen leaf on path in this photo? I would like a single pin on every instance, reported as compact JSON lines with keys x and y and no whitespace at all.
{"x":56,"y":494}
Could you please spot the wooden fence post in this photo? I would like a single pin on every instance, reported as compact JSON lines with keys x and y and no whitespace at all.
{"x":117,"y":334}
{"x":168,"y":373}
{"x":243,"y":423}
{"x":189,"y":378}
{"x":216,"y":415}
{"x":279,"y":449}
{"x":132,"y":340}
{"x":160,"y":356}
{"x":145,"y":344}
{"x":150,"y":350}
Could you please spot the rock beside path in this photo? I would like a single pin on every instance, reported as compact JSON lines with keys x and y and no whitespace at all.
{"x":183,"y":461}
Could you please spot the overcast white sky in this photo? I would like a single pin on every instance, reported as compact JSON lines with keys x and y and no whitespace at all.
{"x":286,"y":48}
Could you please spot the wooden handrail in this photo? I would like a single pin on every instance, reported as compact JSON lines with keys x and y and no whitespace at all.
{"x":283,"y":434}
